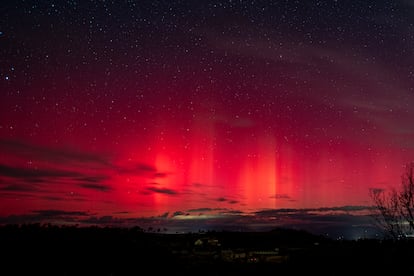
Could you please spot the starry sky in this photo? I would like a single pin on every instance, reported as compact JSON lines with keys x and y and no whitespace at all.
{"x":199,"y":113}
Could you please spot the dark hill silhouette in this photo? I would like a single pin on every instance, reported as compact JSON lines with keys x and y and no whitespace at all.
{"x":68,"y":250}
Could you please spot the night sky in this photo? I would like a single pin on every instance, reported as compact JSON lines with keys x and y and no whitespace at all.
{"x":194,"y":114}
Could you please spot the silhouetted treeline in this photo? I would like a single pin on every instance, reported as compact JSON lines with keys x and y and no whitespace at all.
{"x":36,"y":249}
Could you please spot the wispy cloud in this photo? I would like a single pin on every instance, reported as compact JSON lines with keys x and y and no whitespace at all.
{"x":96,"y":187}
{"x":93,"y":179}
{"x":179,"y":213}
{"x":45,"y":216}
{"x":104,"y":220}
{"x":57,"y":213}
{"x":201,"y":210}
{"x":18,"y":188}
{"x":56,"y":155}
{"x":69,"y":168}
{"x":41,"y":181}
{"x":30,"y":173}
{"x":322,"y":210}
{"x":142,"y":169}
{"x":53,"y":198}
{"x":162,"y":190}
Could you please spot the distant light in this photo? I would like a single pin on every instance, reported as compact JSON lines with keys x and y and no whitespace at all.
{"x":7,"y":77}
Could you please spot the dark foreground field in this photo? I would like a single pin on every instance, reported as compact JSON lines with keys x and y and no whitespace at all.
{"x":51,"y":250}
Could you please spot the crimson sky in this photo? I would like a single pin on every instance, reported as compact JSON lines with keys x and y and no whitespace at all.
{"x":115,"y":111}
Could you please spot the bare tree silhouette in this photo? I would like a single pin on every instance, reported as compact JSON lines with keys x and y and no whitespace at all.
{"x":394,"y":210}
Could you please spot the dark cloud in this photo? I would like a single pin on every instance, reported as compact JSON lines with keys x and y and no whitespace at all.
{"x":44,"y":216}
{"x":198,"y":210}
{"x":206,"y":210}
{"x":29,"y":173}
{"x":235,"y":212}
{"x":58,"y":213}
{"x":104,"y":220}
{"x":53,"y":155}
{"x":165,"y":215}
{"x":93,"y":179}
{"x":30,"y":179}
{"x":145,"y":192}
{"x":162,"y":190}
{"x":53,"y":198}
{"x":142,"y":169}
{"x":97,"y":187}
{"x":221,"y":199}
{"x":18,"y":188}
{"x":138,"y":169}
{"x":276,"y":212}
{"x":178,"y":213}
{"x":65,"y":156}
{"x":347,"y":208}
{"x":17,"y":194}
{"x":66,"y":166}
{"x":20,"y":219}
{"x":160,"y":175}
